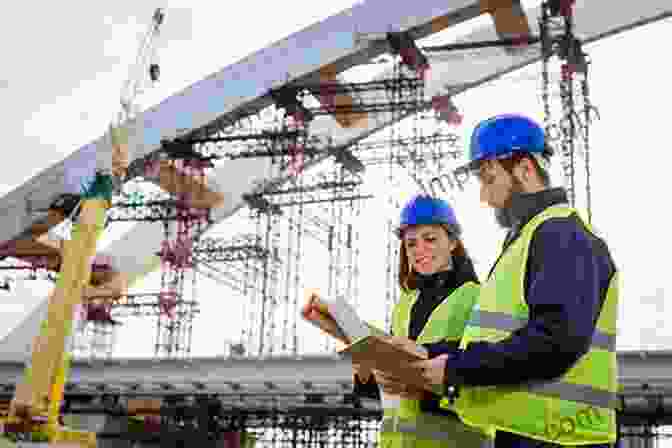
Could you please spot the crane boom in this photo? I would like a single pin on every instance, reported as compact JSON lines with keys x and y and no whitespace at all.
{"x":145,"y":68}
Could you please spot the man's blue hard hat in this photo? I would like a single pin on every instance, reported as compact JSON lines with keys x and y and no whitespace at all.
{"x":424,"y":209}
{"x":503,"y":135}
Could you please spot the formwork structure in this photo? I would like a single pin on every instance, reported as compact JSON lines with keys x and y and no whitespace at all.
{"x":568,"y":120}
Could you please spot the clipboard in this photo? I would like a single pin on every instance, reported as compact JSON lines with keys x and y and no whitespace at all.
{"x":339,"y":319}
{"x":376,"y":352}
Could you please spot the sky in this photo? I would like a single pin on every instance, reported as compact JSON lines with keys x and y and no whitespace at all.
{"x":63,"y":90}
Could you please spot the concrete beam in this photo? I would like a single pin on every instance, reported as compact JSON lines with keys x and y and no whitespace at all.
{"x":258,"y":376}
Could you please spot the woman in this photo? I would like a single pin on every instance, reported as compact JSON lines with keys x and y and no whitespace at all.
{"x":438,"y":289}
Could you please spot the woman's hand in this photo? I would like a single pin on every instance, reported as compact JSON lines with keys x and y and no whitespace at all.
{"x":313,"y":303}
{"x":317,"y":312}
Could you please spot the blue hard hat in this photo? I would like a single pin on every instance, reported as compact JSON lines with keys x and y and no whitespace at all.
{"x":501,"y":136}
{"x":424,"y":209}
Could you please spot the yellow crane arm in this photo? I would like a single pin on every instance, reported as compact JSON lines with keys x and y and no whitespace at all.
{"x":37,"y":400}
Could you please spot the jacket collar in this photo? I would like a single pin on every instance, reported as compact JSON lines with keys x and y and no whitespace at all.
{"x":525,"y":206}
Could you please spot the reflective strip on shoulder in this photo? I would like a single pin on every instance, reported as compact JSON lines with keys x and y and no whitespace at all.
{"x":506,"y":322}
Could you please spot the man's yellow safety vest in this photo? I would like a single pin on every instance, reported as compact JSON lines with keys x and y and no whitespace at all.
{"x":407,"y":426}
{"x":575,"y":409}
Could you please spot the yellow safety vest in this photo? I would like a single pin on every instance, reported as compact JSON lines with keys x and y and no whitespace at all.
{"x":575,"y":409}
{"x":407,"y":426}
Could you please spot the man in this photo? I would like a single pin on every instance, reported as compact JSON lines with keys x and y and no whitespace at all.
{"x":537,"y":360}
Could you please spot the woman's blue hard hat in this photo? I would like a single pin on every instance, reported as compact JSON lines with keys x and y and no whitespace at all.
{"x":426,"y":210}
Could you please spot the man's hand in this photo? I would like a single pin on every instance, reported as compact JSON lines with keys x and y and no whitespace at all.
{"x":432,"y":370}
{"x":394,"y":386}
{"x":404,"y":343}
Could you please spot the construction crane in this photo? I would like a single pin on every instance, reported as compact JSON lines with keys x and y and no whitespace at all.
{"x":143,"y":74}
{"x":145,"y":67}
{"x":34,"y":411}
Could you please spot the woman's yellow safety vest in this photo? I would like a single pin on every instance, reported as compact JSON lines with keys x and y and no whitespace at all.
{"x":407,"y":426}
{"x":575,"y":409}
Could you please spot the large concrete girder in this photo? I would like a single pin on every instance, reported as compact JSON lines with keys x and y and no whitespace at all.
{"x":311,"y":381}
{"x":640,"y":374}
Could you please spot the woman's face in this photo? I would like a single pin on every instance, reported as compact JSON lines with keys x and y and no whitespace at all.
{"x":428,"y":248}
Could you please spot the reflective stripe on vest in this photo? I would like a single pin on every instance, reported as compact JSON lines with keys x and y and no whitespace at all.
{"x":444,"y":428}
{"x":508,"y":323}
{"x":536,"y":409}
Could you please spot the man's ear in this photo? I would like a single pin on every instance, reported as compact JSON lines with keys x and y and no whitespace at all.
{"x":524,"y":170}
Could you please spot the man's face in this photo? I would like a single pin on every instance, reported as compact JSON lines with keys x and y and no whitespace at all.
{"x":428,"y":248}
{"x":497,"y":188}
{"x":496,"y":183}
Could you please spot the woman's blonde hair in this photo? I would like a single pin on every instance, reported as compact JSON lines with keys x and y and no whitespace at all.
{"x":407,"y":279}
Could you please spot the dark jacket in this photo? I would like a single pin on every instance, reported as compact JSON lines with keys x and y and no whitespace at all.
{"x":433,"y":290}
{"x":568,"y":273}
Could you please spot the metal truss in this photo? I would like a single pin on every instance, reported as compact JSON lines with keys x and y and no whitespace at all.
{"x":207,"y":422}
{"x":140,"y":304}
{"x":322,"y":192}
{"x":154,"y":211}
{"x":403,"y":106}
{"x":335,"y":88}
{"x":215,"y":250}
{"x":210,"y":425}
{"x":266,"y":143}
{"x":37,"y":265}
{"x":438,"y":138}
{"x":421,"y":149}
{"x":400,"y":95}
{"x":232,"y":262}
